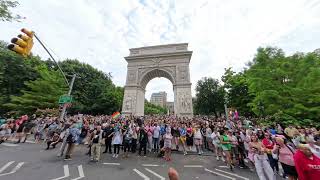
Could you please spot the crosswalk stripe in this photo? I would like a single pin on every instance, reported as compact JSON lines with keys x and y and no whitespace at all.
{"x":15,"y":169}
{"x":66,"y":173}
{"x":6,"y":166}
{"x":114,"y":164}
{"x":150,"y":165}
{"x":154,"y":173}
{"x":10,"y":144}
{"x":233,"y":174}
{"x":81,"y":174}
{"x":141,"y":174}
{"x":208,"y":170}
{"x":187,"y":166}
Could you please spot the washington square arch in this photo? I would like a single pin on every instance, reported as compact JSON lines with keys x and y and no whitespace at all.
{"x":169,"y":61}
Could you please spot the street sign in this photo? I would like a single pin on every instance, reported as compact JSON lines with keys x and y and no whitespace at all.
{"x":65,"y":99}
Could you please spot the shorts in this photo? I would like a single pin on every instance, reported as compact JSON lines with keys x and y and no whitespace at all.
{"x":225,"y":148}
{"x":183,"y":139}
{"x":167,"y":145}
{"x":198,"y":142}
{"x":290,"y":170}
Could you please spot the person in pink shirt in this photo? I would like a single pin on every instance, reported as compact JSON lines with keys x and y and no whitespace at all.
{"x":285,"y":154}
{"x":149,"y":130}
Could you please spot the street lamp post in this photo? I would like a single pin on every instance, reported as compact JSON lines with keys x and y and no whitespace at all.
{"x":225,"y":104}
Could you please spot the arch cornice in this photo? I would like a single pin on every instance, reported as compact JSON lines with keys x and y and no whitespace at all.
{"x":160,"y":55}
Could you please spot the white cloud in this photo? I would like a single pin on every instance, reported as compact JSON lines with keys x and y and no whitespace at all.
{"x":220,"y":33}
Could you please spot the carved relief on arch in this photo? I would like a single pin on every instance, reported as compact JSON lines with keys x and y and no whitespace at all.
{"x":131,"y":76}
{"x":183,"y":73}
{"x":172,"y":70}
{"x":185,"y":101}
{"x":142,"y":72}
{"x":129,"y":102}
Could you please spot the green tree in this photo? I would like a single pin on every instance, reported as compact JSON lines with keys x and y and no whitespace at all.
{"x":209,"y":97}
{"x":285,"y":87}
{"x":150,"y":108}
{"x":238,"y":96}
{"x":5,"y":13}
{"x":14,"y":72}
{"x":93,"y":91}
{"x":42,"y":93}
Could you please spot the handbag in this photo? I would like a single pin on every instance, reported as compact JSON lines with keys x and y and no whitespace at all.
{"x":275,"y":156}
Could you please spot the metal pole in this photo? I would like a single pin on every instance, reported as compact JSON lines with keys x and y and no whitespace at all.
{"x":69,"y":94}
{"x":226,"y":111}
{"x":64,"y":76}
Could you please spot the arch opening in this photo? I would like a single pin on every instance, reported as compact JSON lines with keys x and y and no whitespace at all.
{"x":154,"y":73}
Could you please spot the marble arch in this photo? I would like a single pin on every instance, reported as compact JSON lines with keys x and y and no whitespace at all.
{"x":169,"y":61}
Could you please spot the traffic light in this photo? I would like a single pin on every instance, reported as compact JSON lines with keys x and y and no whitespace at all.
{"x":23,"y":44}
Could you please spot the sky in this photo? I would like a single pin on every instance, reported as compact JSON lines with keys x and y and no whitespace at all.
{"x":221,"y":33}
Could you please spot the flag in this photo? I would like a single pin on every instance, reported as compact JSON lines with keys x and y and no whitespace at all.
{"x":115,"y":115}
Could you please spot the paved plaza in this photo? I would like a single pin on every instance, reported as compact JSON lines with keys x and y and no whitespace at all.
{"x":30,"y":161}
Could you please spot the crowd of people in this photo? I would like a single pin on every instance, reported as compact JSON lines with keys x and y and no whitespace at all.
{"x":237,"y":141}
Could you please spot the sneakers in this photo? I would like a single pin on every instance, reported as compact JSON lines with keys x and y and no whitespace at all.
{"x":114,"y":155}
{"x":67,"y":158}
{"x":223,"y":159}
{"x":218,"y":158}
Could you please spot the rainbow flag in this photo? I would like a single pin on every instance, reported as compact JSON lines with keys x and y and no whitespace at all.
{"x":115,"y":115}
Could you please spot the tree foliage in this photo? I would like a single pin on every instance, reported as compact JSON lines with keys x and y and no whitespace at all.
{"x":93,"y":90}
{"x":28,"y":84}
{"x":238,"y":96}
{"x":209,"y":97}
{"x":14,"y":71}
{"x":285,"y":88}
{"x":42,"y":93}
{"x":150,"y":108}
{"x":5,"y":13}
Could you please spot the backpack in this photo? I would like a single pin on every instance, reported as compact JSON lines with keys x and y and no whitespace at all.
{"x":70,"y":139}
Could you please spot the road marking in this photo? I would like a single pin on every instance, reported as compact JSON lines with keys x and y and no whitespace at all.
{"x":141,"y":174}
{"x":223,"y":166}
{"x":32,"y":142}
{"x":15,"y":169}
{"x":233,"y":174}
{"x":154,"y":173}
{"x":114,"y":164}
{"x":66,"y":173}
{"x":10,"y":144}
{"x":6,"y":166}
{"x":208,"y":170}
{"x":150,"y":165}
{"x":81,"y":174}
{"x":192,"y":166}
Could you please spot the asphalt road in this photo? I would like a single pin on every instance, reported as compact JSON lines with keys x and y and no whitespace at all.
{"x":31,"y":162}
